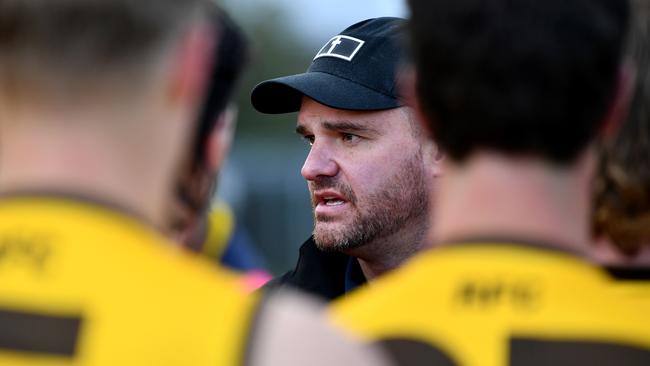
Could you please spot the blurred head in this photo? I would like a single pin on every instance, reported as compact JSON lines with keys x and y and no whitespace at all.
{"x":198,"y":177}
{"x":520,"y":78}
{"x":622,"y":189}
{"x":128,"y":74}
{"x":369,"y":168}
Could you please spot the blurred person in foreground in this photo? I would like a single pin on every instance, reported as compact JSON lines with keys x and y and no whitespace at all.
{"x":622,"y":191}
{"x":96,"y":101}
{"x":212,"y":230}
{"x":516,"y":94}
{"x":369,"y":168}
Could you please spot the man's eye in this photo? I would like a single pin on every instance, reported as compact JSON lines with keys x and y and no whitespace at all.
{"x":309,"y":139}
{"x":348,"y":137}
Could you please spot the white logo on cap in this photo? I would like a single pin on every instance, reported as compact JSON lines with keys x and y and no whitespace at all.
{"x":344,"y":47}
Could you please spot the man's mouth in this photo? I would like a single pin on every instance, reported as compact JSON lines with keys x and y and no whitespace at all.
{"x":332,"y":201}
{"x":328,"y":198}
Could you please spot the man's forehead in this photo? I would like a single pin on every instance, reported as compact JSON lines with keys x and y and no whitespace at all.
{"x":314,"y":114}
{"x":357,"y":123}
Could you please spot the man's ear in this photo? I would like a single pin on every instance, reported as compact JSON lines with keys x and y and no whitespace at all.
{"x":433,"y":158}
{"x":437,"y":159}
{"x":408,"y":85}
{"x":619,"y":107}
{"x":190,"y":71}
{"x":220,"y":139}
{"x":215,"y":150}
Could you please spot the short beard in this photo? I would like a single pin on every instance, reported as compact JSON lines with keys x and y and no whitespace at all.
{"x":402,"y":199}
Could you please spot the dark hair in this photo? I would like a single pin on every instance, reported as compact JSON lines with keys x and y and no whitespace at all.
{"x":527,"y":77}
{"x":230,"y":60}
{"x":622,"y":189}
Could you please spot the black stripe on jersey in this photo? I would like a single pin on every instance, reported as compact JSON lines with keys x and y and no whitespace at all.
{"x":537,"y":352}
{"x":524,"y":352}
{"x":629,"y":273}
{"x":38,"y":333}
{"x":407,"y":352}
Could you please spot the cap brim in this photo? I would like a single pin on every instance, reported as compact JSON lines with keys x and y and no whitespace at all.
{"x":284,"y":95}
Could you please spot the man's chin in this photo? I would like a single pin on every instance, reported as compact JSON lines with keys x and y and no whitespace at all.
{"x":332,"y":238}
{"x":327,"y":246}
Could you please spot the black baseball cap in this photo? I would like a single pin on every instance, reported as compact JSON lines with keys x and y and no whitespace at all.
{"x":355,"y":70}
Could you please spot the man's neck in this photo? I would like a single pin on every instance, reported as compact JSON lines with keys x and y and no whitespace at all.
{"x":492,"y":196}
{"x":81,"y":162}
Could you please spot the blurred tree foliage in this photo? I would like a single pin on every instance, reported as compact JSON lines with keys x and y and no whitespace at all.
{"x":276,"y":51}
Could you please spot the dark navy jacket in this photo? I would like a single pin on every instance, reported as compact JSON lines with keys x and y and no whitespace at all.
{"x":327,"y":275}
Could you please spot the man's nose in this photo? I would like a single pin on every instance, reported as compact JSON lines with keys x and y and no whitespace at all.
{"x":319,"y":163}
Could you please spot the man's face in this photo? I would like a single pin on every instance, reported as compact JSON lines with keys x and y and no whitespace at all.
{"x":366,"y":174}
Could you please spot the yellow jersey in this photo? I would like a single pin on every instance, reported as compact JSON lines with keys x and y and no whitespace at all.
{"x":633,"y":283}
{"x":498,"y":304}
{"x":82,"y":284}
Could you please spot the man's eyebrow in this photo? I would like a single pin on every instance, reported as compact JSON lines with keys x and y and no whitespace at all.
{"x":301,"y":130}
{"x":339,"y":126}
{"x":348,"y":126}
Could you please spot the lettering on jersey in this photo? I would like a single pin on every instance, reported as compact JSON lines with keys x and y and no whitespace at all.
{"x":25,"y":249}
{"x":38,"y":333}
{"x":484,"y":293}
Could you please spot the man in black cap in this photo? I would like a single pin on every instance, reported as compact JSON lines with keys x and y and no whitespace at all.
{"x":369,"y":169}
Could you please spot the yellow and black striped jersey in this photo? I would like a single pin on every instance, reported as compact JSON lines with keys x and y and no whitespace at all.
{"x":498,"y":304}
{"x":82,"y":284}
